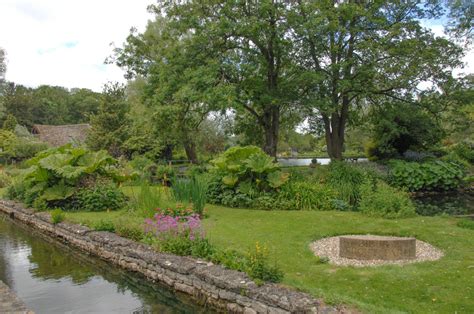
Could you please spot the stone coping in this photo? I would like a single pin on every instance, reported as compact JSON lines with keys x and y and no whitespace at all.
{"x":10,"y":303}
{"x":210,"y":285}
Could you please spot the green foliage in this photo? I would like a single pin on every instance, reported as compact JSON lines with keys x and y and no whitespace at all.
{"x":400,"y":127}
{"x":426,"y":176}
{"x":193,"y":190}
{"x":10,"y":123}
{"x":255,"y":263}
{"x":465,"y":150}
{"x":109,"y":126}
{"x":100,"y":197}
{"x":258,"y":265}
{"x":308,"y":196}
{"x":15,"y":148}
{"x":57,"y":216}
{"x":381,"y":200}
{"x":56,"y":174}
{"x":146,"y":200}
{"x":104,"y":225}
{"x":466,"y":223}
{"x":249,"y":164}
{"x":346,"y":180}
{"x":130,"y":231}
{"x":153,"y":172}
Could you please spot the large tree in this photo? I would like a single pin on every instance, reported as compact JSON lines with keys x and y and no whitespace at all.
{"x":182,"y":81}
{"x":358,"y":53}
{"x":241,"y":49}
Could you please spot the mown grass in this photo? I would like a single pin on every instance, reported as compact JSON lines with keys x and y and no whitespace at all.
{"x":444,"y":286}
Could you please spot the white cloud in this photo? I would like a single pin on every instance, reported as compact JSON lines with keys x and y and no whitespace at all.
{"x":65,"y":43}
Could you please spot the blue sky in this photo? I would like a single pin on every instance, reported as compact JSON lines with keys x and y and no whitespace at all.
{"x":65,"y":42}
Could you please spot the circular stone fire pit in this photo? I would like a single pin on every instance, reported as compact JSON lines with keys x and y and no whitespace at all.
{"x":368,"y":247}
{"x":370,"y":250}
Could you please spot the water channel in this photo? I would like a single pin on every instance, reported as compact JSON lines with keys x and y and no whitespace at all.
{"x":50,"y":278}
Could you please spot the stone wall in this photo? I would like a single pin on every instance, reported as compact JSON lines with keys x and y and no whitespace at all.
{"x":10,"y":303}
{"x":210,"y":285}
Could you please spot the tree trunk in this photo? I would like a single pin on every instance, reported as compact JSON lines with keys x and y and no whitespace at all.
{"x":190,"y":149}
{"x":271,"y":128}
{"x":167,"y":152}
{"x":334,"y":133}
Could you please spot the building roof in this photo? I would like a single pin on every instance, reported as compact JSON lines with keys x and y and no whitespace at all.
{"x":58,"y":135}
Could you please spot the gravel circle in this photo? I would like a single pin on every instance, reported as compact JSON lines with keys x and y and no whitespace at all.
{"x":329,"y":248}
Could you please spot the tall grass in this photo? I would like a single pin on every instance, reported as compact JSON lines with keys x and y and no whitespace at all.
{"x":191,"y":190}
{"x":346,"y":180}
{"x":146,"y":199}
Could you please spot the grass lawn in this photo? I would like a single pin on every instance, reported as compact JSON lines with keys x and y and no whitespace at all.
{"x":444,"y":286}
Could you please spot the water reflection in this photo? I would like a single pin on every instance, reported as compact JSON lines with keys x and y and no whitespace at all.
{"x":51,"y":278}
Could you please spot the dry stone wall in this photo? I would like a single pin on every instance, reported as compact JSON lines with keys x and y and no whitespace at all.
{"x":210,"y":285}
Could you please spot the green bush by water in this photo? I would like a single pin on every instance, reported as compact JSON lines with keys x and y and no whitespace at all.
{"x":426,"y":176}
{"x":57,"y":216}
{"x":381,"y":200}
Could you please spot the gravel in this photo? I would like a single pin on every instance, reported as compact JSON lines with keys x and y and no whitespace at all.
{"x":329,"y":248}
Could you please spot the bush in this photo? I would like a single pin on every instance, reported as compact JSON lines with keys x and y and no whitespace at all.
{"x":308,"y":196}
{"x":251,"y":166}
{"x":427,"y":176}
{"x":465,"y":150}
{"x":14,"y":148}
{"x":99,"y":198}
{"x":193,"y":191}
{"x":381,"y":200}
{"x":57,"y":216}
{"x":346,"y":180}
{"x":55,"y":175}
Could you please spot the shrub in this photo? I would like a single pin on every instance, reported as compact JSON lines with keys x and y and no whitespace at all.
{"x":431,"y":175}
{"x":346,"y":179}
{"x":56,"y":174}
{"x":99,"y":198}
{"x":14,"y":148}
{"x":308,"y":196}
{"x":381,"y":200}
{"x":249,"y":165}
{"x":465,"y":223}
{"x":57,"y":216}
{"x":193,"y":191}
{"x":465,"y":150}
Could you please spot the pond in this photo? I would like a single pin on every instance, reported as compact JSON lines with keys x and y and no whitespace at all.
{"x":290,"y":162}
{"x":50,"y":278}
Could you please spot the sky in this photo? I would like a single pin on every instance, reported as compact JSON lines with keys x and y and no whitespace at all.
{"x":65,"y":42}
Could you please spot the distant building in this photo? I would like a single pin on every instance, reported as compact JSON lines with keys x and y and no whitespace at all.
{"x":58,"y":135}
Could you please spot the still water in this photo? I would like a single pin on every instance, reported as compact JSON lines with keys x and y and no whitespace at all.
{"x":50,"y":278}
